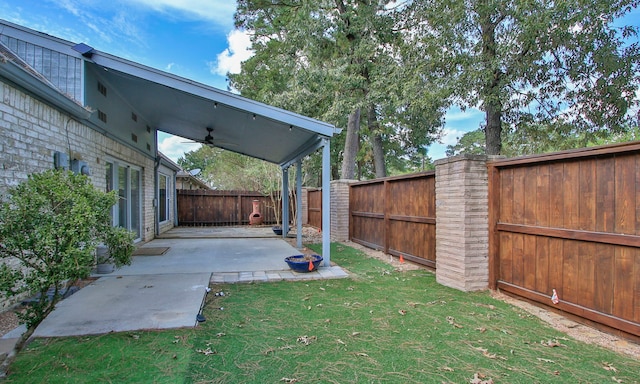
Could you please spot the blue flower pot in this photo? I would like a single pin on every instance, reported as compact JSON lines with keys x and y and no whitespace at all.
{"x":299,"y":263}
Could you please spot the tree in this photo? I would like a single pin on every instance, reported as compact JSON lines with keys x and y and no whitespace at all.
{"x":472,"y":143}
{"x":531,"y":64}
{"x":343,"y":62}
{"x":50,"y":226}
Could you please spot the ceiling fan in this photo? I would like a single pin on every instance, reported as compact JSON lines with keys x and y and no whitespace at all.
{"x":208,"y":140}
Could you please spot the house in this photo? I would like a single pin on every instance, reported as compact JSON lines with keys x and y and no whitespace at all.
{"x":65,"y":104}
{"x":186,"y":180}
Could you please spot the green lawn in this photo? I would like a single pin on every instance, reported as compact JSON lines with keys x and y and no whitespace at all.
{"x":380,"y":326}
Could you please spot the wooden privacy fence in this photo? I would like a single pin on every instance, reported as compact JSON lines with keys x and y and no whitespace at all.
{"x":314,"y":207}
{"x":222,"y":208}
{"x":396,"y":215}
{"x":570,"y":222}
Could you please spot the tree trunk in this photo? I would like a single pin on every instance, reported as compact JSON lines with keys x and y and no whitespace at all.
{"x":493,"y":130}
{"x":351,"y":146}
{"x":376,"y":143}
{"x":491,"y":91}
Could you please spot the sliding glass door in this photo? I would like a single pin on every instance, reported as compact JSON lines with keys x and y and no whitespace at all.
{"x":127,"y":212}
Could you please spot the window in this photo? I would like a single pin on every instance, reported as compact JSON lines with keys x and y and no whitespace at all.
{"x":126,"y":180}
{"x":163,"y":198}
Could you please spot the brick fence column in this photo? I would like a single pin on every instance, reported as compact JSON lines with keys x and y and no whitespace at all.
{"x":340,"y":209}
{"x":462,"y":226}
{"x":305,"y":205}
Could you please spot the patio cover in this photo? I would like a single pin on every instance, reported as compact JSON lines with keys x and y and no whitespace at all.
{"x":192,"y":110}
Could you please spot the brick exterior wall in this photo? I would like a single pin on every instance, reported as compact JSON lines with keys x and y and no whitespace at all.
{"x":31,"y":131}
{"x":462,"y":229}
{"x":340,"y":209}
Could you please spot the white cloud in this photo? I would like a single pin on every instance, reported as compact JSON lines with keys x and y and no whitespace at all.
{"x":455,"y":114}
{"x":230,"y":60}
{"x":174,"y":147}
{"x":450,"y":136}
{"x":218,"y":11}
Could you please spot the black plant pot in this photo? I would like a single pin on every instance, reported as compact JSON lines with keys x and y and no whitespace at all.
{"x":278,"y":230}
{"x":300,"y":263}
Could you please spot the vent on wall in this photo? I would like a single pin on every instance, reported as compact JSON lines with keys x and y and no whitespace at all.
{"x":102,"y":116}
{"x":102,"y":89}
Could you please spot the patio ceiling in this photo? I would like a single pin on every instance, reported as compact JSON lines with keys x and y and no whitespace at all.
{"x":186,"y":108}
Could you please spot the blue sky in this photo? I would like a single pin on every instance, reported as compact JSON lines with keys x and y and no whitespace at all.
{"x":195,"y":39}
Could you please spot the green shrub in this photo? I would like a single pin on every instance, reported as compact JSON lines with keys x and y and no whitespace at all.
{"x":50,"y":226}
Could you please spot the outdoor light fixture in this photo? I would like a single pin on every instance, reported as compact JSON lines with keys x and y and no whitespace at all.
{"x":215,"y":105}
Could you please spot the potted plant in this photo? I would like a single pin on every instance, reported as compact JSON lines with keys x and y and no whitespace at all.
{"x":115,"y":251}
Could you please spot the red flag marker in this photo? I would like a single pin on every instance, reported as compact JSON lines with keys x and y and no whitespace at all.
{"x":310,"y":265}
{"x":401,"y":259}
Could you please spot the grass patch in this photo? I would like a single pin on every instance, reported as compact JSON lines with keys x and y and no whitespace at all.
{"x":128,"y":357}
{"x":381,"y":325}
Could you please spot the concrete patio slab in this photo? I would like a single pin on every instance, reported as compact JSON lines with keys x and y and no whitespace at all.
{"x":128,"y":303}
{"x":194,"y":255}
{"x":167,"y":291}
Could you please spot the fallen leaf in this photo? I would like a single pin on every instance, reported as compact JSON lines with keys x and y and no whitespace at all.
{"x":288,"y":380}
{"x":221,"y":334}
{"x":306,"y":340}
{"x":322,"y":289}
{"x":478,"y":379}
{"x":206,"y":352}
{"x":552,"y":343}
{"x":545,"y":360}
{"x":402,"y":312}
{"x":353,"y":334}
{"x":341,"y":342}
{"x":481,"y":329}
{"x":362,"y":354}
{"x":451,"y":320}
{"x":412,"y":304}
{"x":446,"y":369}
{"x":609,"y":367}
{"x":616,"y":380}
{"x":489,"y":355}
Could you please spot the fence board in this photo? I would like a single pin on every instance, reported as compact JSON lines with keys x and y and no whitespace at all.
{"x":222,"y":208}
{"x":571,"y":222}
{"x":396,"y":215}
{"x":314,"y":208}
